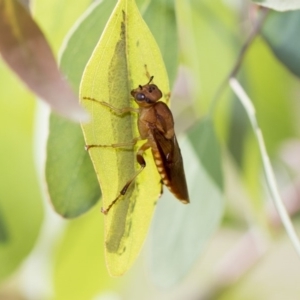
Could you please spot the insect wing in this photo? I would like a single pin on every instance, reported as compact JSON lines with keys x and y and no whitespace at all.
{"x":173,"y":164}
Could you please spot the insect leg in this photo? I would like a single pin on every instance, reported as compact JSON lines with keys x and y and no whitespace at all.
{"x":118,"y":145}
{"x":119,"y":111}
{"x":140,"y":159}
{"x":161,"y":188}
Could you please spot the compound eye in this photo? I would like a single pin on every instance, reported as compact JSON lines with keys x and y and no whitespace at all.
{"x":140,"y":97}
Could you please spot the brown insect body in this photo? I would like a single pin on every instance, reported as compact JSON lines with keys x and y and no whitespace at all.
{"x":156,"y":125}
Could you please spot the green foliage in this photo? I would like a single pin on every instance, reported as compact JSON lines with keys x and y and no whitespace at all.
{"x":21,"y":208}
{"x":66,"y":158}
{"x":223,"y":151}
{"x":281,"y":32}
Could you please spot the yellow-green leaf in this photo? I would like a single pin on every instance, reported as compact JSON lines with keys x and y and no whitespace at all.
{"x":123,"y":59}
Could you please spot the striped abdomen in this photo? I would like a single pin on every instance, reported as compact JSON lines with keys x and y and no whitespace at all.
{"x":168,"y":180}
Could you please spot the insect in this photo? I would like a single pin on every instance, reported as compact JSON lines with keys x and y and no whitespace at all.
{"x":156,"y":127}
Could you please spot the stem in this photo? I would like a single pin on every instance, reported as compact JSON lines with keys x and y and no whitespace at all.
{"x":286,"y":221}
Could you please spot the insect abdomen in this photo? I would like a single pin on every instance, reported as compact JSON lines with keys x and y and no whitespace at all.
{"x":165,"y":179}
{"x":160,"y":167}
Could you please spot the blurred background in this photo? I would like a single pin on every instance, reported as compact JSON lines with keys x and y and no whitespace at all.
{"x":242,"y":250}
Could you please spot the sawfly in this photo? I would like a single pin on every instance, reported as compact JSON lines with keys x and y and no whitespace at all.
{"x":156,"y":127}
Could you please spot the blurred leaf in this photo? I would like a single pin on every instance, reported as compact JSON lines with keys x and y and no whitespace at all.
{"x":205,"y":28}
{"x":117,"y":66}
{"x":65,"y":11}
{"x":82,"y":39}
{"x":281,"y":33}
{"x":206,"y":145}
{"x":238,"y":131}
{"x":25,"y":49}
{"x":279,"y":5}
{"x":180,"y":233}
{"x":20,"y":199}
{"x":142,"y":5}
{"x":80,"y":270}
{"x":79,"y":190}
{"x":161,"y":19}
{"x":273,"y":99}
{"x":72,"y":185}
{"x":189,"y":56}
